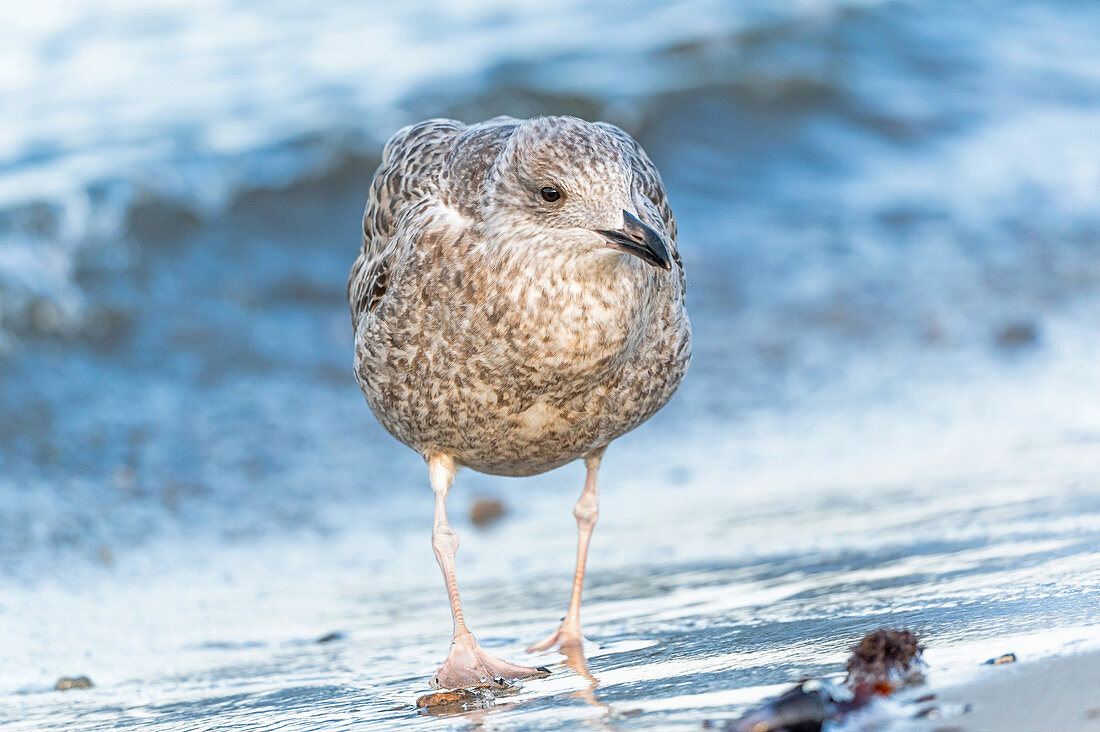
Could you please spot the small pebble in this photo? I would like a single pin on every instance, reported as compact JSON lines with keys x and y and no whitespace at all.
{"x":330,"y":637}
{"x":1006,"y":658}
{"x":73,"y":682}
{"x":1017,"y":335}
{"x":486,"y":511}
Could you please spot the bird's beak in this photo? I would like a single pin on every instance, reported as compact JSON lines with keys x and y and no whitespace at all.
{"x":638,"y":239}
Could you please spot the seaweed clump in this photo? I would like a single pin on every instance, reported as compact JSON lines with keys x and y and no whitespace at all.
{"x":883,"y":662}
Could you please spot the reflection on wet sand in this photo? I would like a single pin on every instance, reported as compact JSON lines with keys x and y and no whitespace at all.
{"x":575,"y":660}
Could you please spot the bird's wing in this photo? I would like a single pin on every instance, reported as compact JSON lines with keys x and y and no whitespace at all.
{"x":409,"y":173}
{"x":647,"y":182}
{"x":437,"y":161}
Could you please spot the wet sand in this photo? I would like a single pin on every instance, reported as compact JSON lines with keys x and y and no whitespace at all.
{"x":1061,"y":693}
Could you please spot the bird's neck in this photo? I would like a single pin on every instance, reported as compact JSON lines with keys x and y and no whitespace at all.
{"x":594,"y":303}
{"x":555,"y":264}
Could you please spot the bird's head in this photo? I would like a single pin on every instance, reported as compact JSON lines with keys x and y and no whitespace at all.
{"x":563,"y":187}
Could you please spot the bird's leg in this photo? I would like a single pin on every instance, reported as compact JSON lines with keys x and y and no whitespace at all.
{"x":587,"y":510}
{"x":467,"y":665}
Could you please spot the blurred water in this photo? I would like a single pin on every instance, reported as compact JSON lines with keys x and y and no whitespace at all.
{"x":890,"y":215}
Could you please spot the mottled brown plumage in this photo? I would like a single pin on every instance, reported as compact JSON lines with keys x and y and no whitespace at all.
{"x":501,"y":330}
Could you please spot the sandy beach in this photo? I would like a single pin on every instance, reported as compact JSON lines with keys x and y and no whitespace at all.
{"x":1057,"y":693}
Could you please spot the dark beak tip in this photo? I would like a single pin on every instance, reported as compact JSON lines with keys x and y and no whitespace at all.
{"x":640,"y":240}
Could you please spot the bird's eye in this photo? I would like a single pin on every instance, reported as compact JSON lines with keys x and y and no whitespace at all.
{"x":550,"y":194}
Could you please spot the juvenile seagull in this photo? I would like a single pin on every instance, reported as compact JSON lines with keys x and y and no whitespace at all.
{"x":518,"y":304}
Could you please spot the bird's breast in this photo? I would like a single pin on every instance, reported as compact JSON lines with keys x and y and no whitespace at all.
{"x":515,"y":372}
{"x":565,"y":327}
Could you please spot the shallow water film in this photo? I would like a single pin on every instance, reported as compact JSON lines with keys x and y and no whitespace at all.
{"x":889,"y":214}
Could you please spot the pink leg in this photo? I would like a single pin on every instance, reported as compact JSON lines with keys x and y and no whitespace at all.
{"x":587,"y":510}
{"x":467,"y":665}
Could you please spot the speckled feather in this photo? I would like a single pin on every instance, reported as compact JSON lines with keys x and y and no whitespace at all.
{"x":496,"y":328}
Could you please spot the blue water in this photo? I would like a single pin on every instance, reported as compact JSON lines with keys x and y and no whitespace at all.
{"x":890,"y":218}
